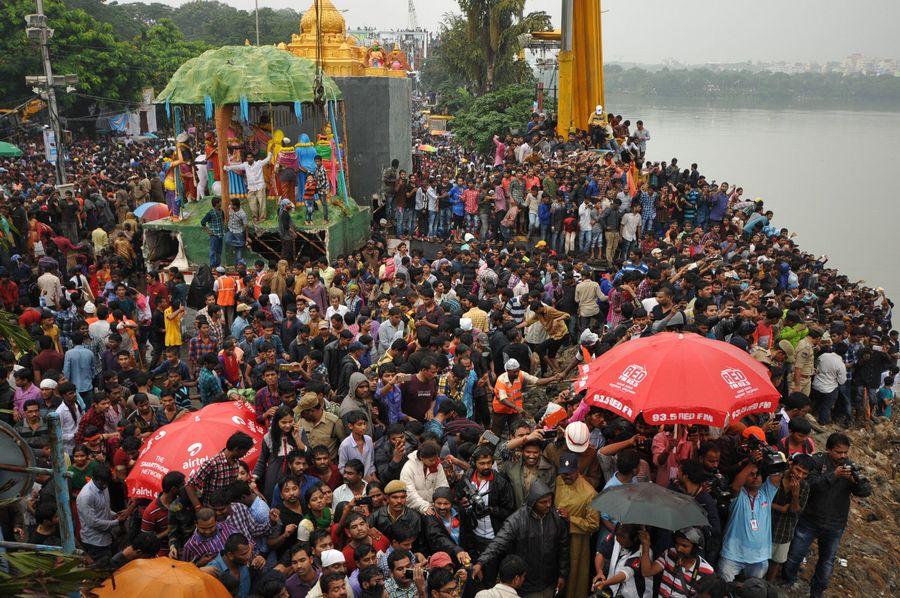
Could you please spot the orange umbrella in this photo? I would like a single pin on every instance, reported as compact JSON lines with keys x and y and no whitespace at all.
{"x":162,"y":577}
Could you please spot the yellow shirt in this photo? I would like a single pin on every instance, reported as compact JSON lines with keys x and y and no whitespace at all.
{"x":576,"y":500}
{"x":100,"y":239}
{"x":173,"y":329}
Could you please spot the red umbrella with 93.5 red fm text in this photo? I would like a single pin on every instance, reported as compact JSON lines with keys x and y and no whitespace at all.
{"x":188,"y":442}
{"x":678,"y":378}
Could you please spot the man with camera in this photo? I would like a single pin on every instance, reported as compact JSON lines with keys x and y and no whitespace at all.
{"x":487,"y":499}
{"x":694,"y":481}
{"x":834,"y":478}
{"x":407,"y":580}
{"x":747,"y":544}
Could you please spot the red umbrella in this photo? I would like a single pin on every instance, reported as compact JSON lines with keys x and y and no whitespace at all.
{"x":151,"y":211}
{"x":188,"y":442}
{"x":677,"y":378}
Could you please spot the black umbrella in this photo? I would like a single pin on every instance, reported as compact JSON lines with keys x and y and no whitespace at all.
{"x":650,"y":504}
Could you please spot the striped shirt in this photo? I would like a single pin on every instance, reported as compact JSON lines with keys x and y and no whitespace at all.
{"x":155,"y":520}
{"x":678,"y":582}
{"x":199,"y":546}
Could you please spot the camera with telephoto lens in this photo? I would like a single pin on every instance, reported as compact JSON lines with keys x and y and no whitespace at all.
{"x":772,"y":461}
{"x":719,"y":488}
{"x":475,"y":505}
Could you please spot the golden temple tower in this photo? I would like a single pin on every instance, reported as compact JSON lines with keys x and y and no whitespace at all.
{"x":341,"y":53}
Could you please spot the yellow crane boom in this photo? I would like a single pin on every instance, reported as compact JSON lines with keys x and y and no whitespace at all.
{"x":580,"y":88}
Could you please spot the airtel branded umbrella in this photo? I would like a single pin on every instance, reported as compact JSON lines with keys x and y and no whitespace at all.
{"x":152,"y":210}
{"x":678,"y":378}
{"x":188,"y":442}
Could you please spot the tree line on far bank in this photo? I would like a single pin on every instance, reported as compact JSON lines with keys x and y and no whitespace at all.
{"x":800,"y":88}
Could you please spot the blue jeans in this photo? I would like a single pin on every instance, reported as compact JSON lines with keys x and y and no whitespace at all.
{"x":827,"y":541}
{"x":324,"y":201}
{"x":446,"y":217}
{"x":545,"y":232}
{"x":556,"y":240}
{"x":485,"y":221}
{"x":584,"y":241}
{"x":401,"y":221}
{"x":533,"y":223}
{"x":845,"y":404}
{"x":626,"y":247}
{"x":647,"y":224}
{"x":729,"y":569}
{"x":825,"y":402}
{"x":432,"y":223}
{"x":236,"y":242}
{"x":597,"y":239}
{"x":215,"y":251}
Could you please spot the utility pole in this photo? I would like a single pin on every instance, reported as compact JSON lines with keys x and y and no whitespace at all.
{"x":38,"y":31}
{"x":256,"y":4}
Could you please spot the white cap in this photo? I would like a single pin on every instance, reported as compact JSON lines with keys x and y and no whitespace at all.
{"x":577,"y":437}
{"x":220,"y":269}
{"x":465,"y":323}
{"x":48,"y":383}
{"x":599,"y":109}
{"x":332,"y":557}
{"x":588,"y":337}
{"x":512,"y":364}
{"x":90,"y":308}
{"x":468,"y":237}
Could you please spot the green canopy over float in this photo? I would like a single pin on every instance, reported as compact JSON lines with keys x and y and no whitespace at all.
{"x":263,"y":74}
{"x":227,"y":81}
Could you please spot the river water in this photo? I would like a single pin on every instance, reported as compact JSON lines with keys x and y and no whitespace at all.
{"x":825,"y":173}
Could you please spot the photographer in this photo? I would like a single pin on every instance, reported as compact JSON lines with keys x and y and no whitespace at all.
{"x":487,"y":499}
{"x":793,"y":492}
{"x":442,"y":529}
{"x":834,"y":478}
{"x":747,"y":545}
{"x":406,"y":580}
{"x":693,"y":480}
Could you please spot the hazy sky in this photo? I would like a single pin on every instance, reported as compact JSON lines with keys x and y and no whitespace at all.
{"x":686,"y":30}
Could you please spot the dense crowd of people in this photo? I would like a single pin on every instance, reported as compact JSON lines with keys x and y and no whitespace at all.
{"x":422,"y":438}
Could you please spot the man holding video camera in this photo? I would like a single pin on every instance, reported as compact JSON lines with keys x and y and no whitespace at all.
{"x":834,"y":478}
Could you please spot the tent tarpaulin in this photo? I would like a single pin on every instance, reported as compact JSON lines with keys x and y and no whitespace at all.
{"x":254,"y":73}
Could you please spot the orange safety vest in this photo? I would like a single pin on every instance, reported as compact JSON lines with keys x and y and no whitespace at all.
{"x":227,"y":289}
{"x":513,"y":392}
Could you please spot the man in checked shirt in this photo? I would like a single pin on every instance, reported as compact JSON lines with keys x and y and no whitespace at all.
{"x":220,"y":471}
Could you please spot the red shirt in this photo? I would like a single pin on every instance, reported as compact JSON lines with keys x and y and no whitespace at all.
{"x":156,"y":289}
{"x":156,"y":520}
{"x":29,"y":318}
{"x":9,"y":294}
{"x":333,"y":479}
{"x":379,"y":542}
{"x":63,"y":244}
